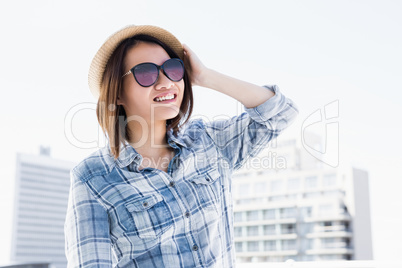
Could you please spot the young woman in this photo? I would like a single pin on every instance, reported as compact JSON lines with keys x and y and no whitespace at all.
{"x":159,"y":194}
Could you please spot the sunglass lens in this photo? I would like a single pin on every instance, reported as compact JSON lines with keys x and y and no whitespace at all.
{"x":174,"y":69}
{"x":146,"y":74}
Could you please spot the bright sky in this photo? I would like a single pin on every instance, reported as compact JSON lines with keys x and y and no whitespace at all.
{"x":317,"y":52}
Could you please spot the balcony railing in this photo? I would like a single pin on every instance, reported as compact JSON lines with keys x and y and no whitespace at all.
{"x":335,"y":228}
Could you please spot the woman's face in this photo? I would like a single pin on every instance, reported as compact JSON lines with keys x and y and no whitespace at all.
{"x":141,"y":101}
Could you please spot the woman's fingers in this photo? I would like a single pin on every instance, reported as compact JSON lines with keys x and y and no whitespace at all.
{"x":197,"y":66}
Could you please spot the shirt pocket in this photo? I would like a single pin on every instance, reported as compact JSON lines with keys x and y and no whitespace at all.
{"x":208,"y":188}
{"x":150,"y":216}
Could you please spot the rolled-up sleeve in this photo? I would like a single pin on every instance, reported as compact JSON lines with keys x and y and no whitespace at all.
{"x":246,"y":135}
{"x":86,"y":229}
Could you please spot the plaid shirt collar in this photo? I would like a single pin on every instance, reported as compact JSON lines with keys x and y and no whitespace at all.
{"x":128,"y":155}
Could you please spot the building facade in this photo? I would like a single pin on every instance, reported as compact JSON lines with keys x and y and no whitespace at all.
{"x":299,"y":209}
{"x":41,"y":194}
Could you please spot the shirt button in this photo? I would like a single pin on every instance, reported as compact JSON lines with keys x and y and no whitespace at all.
{"x":187,"y":214}
{"x":208,"y":179}
{"x":145,"y":204}
{"x":172,"y":184}
{"x":195,"y":247}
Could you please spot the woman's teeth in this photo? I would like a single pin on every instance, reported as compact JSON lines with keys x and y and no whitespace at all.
{"x":167,"y":97}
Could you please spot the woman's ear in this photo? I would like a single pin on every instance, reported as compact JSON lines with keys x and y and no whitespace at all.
{"x":119,"y":100}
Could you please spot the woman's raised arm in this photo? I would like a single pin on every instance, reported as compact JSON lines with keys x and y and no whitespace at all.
{"x":248,"y":94}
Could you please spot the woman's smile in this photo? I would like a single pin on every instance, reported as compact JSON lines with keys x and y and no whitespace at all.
{"x":166,"y":97}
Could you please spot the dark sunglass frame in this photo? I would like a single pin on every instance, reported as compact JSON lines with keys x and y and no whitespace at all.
{"x":159,"y":67}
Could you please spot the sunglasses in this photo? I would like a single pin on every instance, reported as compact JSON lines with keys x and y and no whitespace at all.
{"x":146,"y":74}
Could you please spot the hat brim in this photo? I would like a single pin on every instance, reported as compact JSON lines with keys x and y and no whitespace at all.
{"x":98,"y":64}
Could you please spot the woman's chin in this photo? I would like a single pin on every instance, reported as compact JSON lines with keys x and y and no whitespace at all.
{"x":166,"y":113}
{"x":169,"y":117}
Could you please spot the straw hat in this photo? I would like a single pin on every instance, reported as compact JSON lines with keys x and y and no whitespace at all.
{"x":101,"y":58}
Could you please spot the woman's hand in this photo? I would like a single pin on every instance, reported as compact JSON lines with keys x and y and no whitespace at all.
{"x":198,"y":69}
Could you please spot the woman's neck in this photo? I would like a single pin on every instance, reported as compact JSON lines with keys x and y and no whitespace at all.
{"x":151,"y":144}
{"x":148,"y":139}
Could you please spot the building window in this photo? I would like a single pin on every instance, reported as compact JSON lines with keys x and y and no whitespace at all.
{"x":252,"y":230}
{"x":288,"y":229}
{"x":288,"y":244}
{"x":306,"y":244}
{"x":238,"y":217}
{"x":239,"y":246}
{"x":238,"y":231}
{"x":327,"y":226}
{"x":293,"y":184}
{"x":306,"y":212}
{"x":253,"y":246}
{"x":328,"y":242}
{"x":305,"y":228}
{"x":269,"y":229}
{"x":270,"y":245}
{"x":346,"y":224}
{"x":329,"y":180}
{"x":269,"y":214}
{"x":307,"y":258}
{"x":310,"y":182}
{"x":252,"y":215}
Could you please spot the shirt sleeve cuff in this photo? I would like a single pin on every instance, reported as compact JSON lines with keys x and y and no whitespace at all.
{"x":269,"y":108}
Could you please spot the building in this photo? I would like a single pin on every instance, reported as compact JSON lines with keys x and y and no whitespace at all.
{"x":289,"y":205}
{"x":27,"y":265}
{"x":41,"y":194}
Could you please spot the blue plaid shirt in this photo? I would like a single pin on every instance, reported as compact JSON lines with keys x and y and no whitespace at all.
{"x":179,"y":218}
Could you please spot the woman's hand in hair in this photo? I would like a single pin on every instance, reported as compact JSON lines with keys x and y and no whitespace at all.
{"x":198,"y":69}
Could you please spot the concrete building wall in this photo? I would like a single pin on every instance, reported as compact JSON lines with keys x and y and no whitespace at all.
{"x":41,"y":195}
{"x":362,"y":222}
{"x":307,"y":211}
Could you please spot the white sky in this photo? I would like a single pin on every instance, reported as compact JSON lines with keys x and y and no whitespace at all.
{"x":315,"y":51}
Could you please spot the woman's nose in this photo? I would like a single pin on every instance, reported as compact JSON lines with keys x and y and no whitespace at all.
{"x":163,"y":81}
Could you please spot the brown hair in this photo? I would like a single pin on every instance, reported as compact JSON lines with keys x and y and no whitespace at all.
{"x":112,"y":117}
